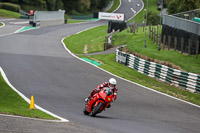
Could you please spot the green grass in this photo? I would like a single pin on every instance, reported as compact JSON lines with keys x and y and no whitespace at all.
{"x":9,"y":14}
{"x":114,"y":6}
{"x":112,"y":66}
{"x":135,"y":43}
{"x":94,"y":38}
{"x":72,"y":21}
{"x":152,"y":6}
{"x":12,"y":103}
{"x":1,"y":24}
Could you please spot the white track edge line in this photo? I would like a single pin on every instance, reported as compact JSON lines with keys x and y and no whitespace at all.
{"x":2,"y":25}
{"x":62,"y":41}
{"x":28,"y":100}
{"x":29,"y":118}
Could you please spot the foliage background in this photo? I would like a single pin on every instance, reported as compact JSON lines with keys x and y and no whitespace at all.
{"x":70,"y":6}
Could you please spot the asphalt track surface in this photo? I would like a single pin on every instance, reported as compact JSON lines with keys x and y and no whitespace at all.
{"x":36,"y":63}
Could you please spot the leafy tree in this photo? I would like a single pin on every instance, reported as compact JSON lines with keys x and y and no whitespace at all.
{"x":176,"y":6}
{"x":186,"y":5}
{"x":59,"y":4}
{"x":83,"y":5}
{"x":153,"y":18}
{"x":172,"y":7}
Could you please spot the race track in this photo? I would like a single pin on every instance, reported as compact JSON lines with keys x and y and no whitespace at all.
{"x":36,"y":63}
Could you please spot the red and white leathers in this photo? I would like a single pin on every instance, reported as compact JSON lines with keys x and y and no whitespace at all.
{"x":99,"y":87}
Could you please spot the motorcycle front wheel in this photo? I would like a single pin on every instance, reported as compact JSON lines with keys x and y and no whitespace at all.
{"x":85,"y":111}
{"x":97,"y":109}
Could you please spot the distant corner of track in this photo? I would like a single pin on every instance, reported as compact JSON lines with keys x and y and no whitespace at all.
{"x":138,"y":11}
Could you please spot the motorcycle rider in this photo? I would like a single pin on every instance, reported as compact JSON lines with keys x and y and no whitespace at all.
{"x":111,"y":84}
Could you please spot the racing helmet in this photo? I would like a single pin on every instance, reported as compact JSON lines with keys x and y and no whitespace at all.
{"x":112,"y":83}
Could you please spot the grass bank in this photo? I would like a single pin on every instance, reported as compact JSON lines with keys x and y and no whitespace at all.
{"x":9,"y":14}
{"x":134,"y":42}
{"x":1,"y":24}
{"x":12,"y":103}
{"x":94,"y":39}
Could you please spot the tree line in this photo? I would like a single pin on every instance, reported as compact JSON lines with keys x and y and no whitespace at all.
{"x":70,"y":6}
{"x":176,"y":6}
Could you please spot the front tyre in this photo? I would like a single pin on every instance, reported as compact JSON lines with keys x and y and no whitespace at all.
{"x":97,"y":109}
{"x":85,"y":111}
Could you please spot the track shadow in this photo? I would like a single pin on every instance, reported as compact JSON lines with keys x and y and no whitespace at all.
{"x":104,"y":117}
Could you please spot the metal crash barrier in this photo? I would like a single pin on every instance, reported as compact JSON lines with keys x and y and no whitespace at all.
{"x":188,"y":81}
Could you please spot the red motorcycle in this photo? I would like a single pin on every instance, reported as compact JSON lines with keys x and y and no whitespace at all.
{"x":98,"y":102}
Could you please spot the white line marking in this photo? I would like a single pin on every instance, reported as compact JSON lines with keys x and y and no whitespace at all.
{"x":7,"y":19}
{"x":129,"y":0}
{"x":62,"y":41}
{"x":28,"y":100}
{"x":24,"y":22}
{"x":2,"y":25}
{"x":19,"y":29}
{"x":23,"y":117}
{"x":133,"y":11}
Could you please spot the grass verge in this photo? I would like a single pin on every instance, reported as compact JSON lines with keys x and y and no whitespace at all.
{"x":72,"y":21}
{"x":114,"y":6}
{"x":9,"y":14}
{"x":1,"y":24}
{"x":94,"y":38}
{"x":12,"y":103}
{"x":112,"y":66}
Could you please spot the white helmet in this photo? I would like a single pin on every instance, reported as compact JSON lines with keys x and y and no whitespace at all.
{"x":112,"y":83}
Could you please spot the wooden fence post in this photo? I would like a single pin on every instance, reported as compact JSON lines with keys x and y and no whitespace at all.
{"x":169,"y":42}
{"x":197,"y":48}
{"x":154,"y":38}
{"x":182,"y":43}
{"x":164,"y":41}
{"x":175,"y":43}
{"x":189,"y":47}
{"x":149,"y":31}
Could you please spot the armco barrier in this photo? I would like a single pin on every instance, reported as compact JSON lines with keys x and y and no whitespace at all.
{"x":189,"y":81}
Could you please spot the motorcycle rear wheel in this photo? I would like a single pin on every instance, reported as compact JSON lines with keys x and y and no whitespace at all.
{"x":97,"y":109}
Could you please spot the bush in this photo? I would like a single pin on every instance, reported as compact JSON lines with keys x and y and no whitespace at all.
{"x":9,"y":6}
{"x":153,"y":18}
